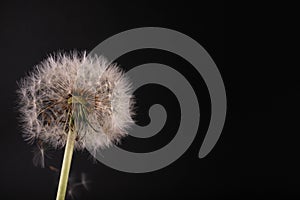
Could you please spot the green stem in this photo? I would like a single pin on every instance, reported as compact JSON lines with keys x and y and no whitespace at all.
{"x":64,"y":175}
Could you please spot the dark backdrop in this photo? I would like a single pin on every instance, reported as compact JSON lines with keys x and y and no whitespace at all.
{"x":254,"y":158}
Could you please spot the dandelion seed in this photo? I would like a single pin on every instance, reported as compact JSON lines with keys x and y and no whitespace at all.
{"x":40,"y":152}
{"x":71,"y":193}
{"x":75,"y":101}
{"x":84,"y":182}
{"x":39,"y":155}
{"x":75,"y":186}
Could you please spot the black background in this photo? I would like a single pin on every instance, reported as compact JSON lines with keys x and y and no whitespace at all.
{"x":255,"y":156}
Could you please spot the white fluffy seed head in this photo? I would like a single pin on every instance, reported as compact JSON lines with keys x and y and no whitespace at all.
{"x":89,"y":91}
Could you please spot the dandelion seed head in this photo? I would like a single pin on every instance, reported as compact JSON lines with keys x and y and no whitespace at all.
{"x":92,"y":92}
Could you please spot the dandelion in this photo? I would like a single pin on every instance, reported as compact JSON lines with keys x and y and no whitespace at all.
{"x":75,"y":101}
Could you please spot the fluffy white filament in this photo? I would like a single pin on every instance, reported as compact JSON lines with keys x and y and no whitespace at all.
{"x":93,"y":91}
